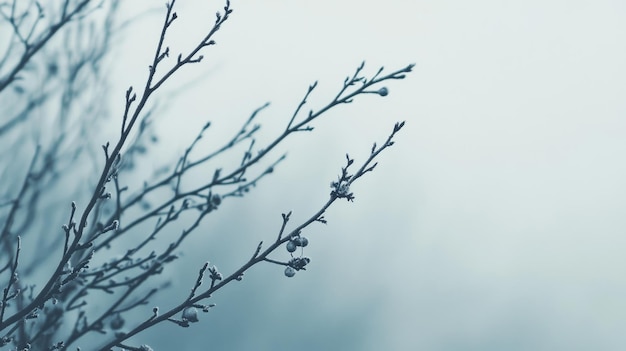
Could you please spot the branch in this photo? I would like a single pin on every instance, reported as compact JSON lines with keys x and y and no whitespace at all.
{"x":218,"y":281}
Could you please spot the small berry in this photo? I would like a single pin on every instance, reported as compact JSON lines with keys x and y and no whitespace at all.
{"x":216,"y":200}
{"x":190,"y":314}
{"x":291,"y":246}
{"x":117,"y":322}
{"x":290,"y":272}
{"x":383,"y":91}
{"x":304,"y":241}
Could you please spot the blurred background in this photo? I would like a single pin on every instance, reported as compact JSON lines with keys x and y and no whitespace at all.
{"x":497,"y":220}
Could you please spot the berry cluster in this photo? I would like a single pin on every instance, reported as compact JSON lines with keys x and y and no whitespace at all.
{"x":296,"y":263}
{"x":293,"y":244}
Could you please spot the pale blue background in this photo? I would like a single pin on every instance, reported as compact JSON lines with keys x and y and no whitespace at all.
{"x":495,"y":223}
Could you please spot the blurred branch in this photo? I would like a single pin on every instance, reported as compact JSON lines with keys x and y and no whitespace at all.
{"x":32,"y":46}
{"x":54,"y":283}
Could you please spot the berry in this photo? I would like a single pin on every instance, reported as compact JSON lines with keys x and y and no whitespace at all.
{"x":304,"y":241}
{"x":117,"y":322}
{"x":290,"y":272}
{"x":190,"y":314}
